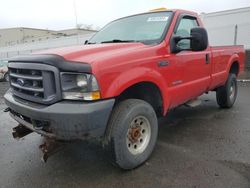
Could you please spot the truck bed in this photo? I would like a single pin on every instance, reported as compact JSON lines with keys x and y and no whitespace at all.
{"x":221,"y":57}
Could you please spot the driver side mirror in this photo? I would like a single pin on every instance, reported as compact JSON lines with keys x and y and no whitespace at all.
{"x":198,"y":40}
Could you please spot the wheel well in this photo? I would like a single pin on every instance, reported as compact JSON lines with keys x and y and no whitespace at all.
{"x":234,"y":68}
{"x":146,"y":91}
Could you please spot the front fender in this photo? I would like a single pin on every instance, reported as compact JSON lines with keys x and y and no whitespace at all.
{"x":134,"y":76}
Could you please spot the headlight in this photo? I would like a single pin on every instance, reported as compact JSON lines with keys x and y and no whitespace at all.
{"x":81,"y":80}
{"x":79,"y":86}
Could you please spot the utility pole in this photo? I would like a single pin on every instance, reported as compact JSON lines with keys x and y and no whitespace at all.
{"x":235,"y":34}
{"x":76,"y":21}
{"x":22,"y":29}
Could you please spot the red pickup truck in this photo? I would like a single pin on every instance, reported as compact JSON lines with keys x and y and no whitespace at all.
{"x":116,"y":86}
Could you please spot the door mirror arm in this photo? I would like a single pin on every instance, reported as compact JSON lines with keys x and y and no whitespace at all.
{"x":174,"y":41}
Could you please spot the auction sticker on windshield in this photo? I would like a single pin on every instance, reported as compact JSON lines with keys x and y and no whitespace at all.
{"x":158,"y":19}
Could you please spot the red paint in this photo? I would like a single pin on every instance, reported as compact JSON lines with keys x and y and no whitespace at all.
{"x":118,"y":66}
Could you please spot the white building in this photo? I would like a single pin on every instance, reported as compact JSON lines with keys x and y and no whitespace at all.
{"x":27,"y":48}
{"x":228,"y":27}
{"x":22,"y":35}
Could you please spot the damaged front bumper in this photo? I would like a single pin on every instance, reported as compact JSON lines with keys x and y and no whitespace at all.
{"x":65,"y":120}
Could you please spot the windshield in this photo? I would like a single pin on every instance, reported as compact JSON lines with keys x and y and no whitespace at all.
{"x":146,"y":28}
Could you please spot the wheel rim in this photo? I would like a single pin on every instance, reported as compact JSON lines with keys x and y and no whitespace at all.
{"x":232,"y":91}
{"x":138,"y":135}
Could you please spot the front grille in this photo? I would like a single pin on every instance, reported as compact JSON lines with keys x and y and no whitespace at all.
{"x":35,"y":82}
{"x":26,"y":81}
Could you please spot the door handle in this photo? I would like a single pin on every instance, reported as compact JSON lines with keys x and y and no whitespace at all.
{"x":207,"y":59}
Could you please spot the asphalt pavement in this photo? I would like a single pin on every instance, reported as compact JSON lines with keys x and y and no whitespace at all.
{"x":201,"y":147}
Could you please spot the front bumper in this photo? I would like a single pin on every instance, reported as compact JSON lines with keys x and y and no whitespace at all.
{"x":65,"y":120}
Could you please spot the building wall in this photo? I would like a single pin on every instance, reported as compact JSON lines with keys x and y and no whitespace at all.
{"x":27,"y":48}
{"x":228,"y":27}
{"x":15,"y":36}
{"x":70,"y":32}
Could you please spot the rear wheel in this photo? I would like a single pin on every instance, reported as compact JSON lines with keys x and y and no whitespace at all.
{"x":133,"y":133}
{"x":227,"y":94}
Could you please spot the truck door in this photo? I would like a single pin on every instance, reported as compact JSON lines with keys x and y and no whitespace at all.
{"x":194,"y":68}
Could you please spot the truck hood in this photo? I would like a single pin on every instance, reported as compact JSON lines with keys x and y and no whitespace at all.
{"x":94,"y":52}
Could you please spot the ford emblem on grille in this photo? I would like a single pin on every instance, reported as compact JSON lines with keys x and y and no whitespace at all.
{"x":20,"y":82}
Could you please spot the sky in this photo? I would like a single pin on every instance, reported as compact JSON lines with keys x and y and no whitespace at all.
{"x":61,"y":14}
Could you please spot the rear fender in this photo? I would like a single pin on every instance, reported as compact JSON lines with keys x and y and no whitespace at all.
{"x":234,"y":58}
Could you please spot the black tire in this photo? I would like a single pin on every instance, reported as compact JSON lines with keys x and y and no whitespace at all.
{"x":6,"y":77}
{"x":227,"y":94}
{"x":125,"y":115}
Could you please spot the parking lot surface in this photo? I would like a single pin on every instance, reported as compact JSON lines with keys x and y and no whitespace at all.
{"x":202,"y":147}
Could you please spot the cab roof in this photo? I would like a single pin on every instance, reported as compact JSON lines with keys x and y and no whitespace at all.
{"x":178,"y":11}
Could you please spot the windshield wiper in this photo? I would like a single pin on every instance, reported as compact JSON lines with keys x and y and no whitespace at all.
{"x":88,"y":42}
{"x":117,"y":41}
{"x":91,"y":43}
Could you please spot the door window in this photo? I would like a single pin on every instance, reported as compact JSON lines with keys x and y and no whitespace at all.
{"x":183,"y":30}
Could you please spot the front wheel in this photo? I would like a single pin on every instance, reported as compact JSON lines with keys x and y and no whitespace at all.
{"x":227,"y":94}
{"x":133,"y":133}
